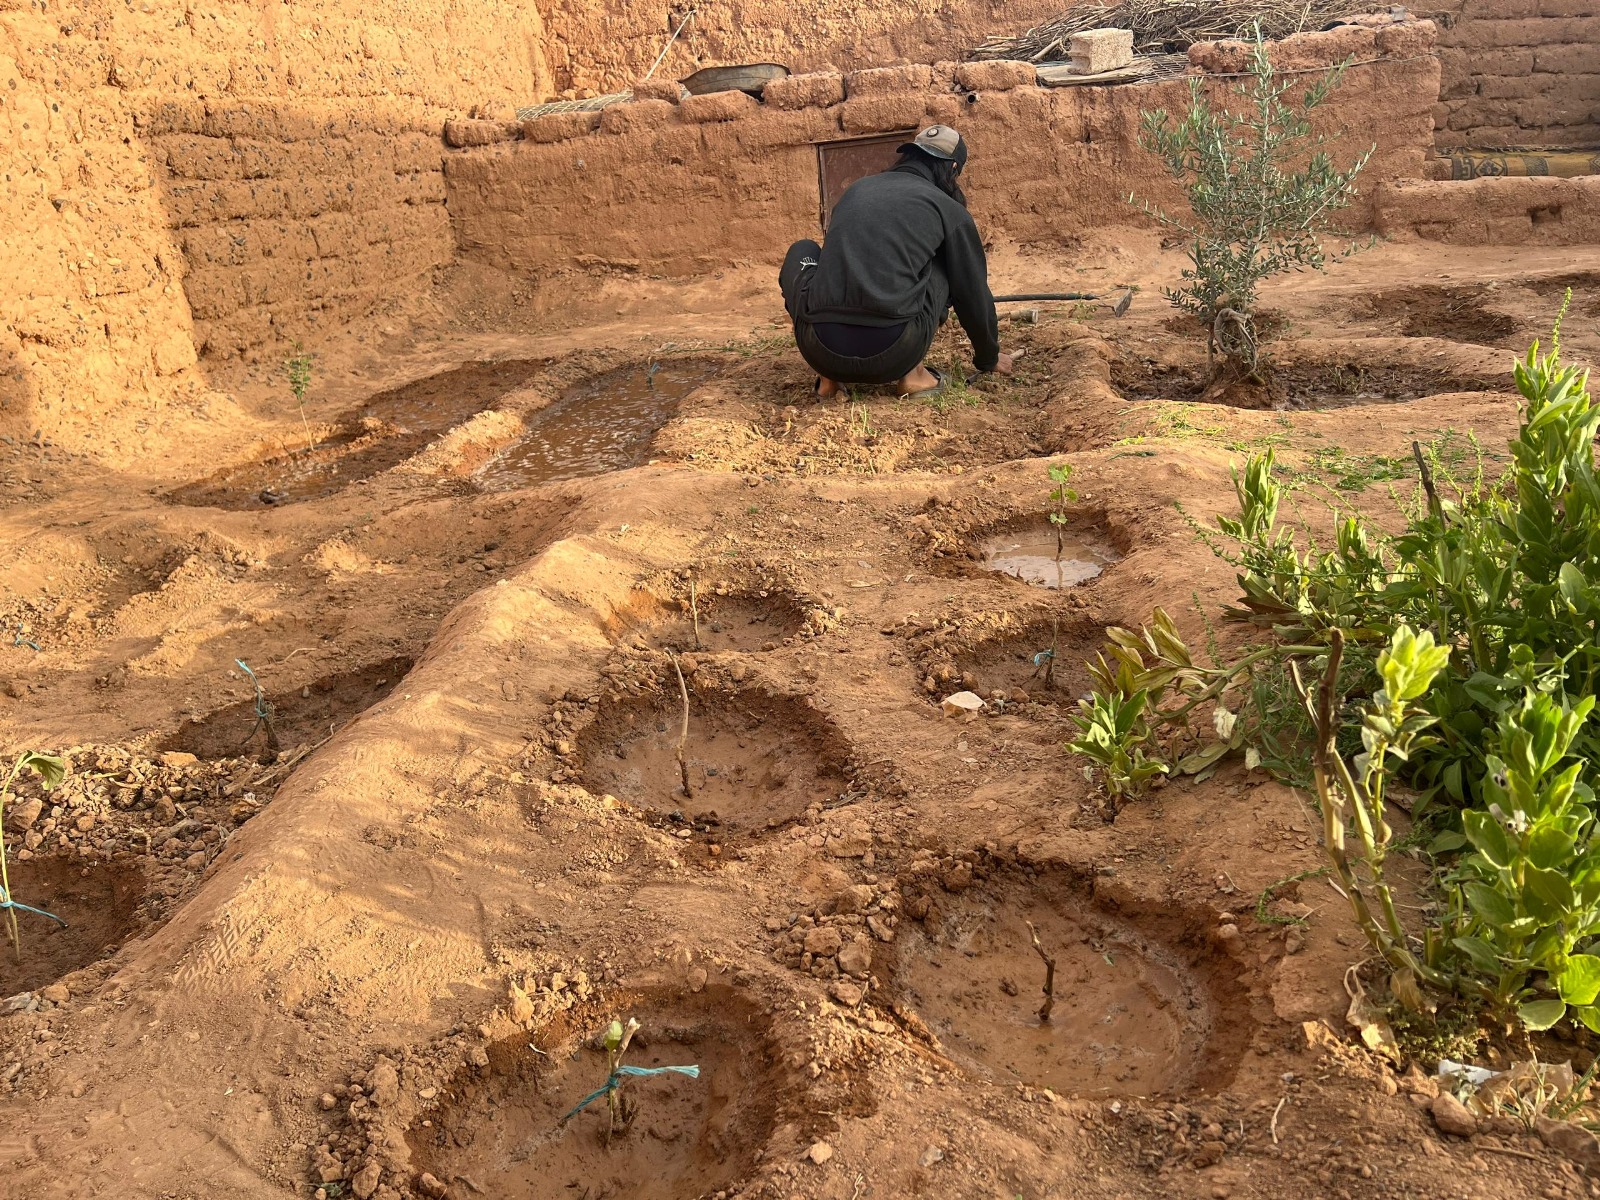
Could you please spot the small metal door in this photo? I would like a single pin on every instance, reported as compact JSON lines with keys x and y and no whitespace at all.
{"x":839,"y":164}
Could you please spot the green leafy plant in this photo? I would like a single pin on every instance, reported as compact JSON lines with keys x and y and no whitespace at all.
{"x":298,"y":368}
{"x":51,"y":770}
{"x":1527,"y":898}
{"x":1351,"y":796}
{"x":1262,"y":191}
{"x":1474,"y":633}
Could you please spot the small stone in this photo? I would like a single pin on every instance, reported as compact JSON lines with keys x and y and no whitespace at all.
{"x":384,"y":1082}
{"x":1294,"y":941}
{"x":1574,"y":1141}
{"x":521,"y":1006}
{"x":56,"y":993}
{"x":428,"y":1093}
{"x":366,"y":1181}
{"x":176,"y":758}
{"x":930,"y":1156}
{"x":819,"y":1153}
{"x":852,"y":899}
{"x":856,"y":957}
{"x":823,"y":940}
{"x":697,"y":979}
{"x":430,"y":1186}
{"x":961,"y":702}
{"x":25,"y":813}
{"x":847,"y":992}
{"x":195,"y":861}
{"x":327,"y":1101}
{"x":1451,"y":1116}
{"x":958,"y":878}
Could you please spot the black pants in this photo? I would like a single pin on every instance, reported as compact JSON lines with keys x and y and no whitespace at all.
{"x":898,"y":361}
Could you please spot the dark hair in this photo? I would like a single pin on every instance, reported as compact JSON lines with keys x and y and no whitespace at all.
{"x":942,"y":170}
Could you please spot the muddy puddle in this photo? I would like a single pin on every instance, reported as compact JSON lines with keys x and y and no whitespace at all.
{"x":681,"y":1138}
{"x":607,"y":424}
{"x":382,"y":433}
{"x":754,"y":761}
{"x":1033,"y":555}
{"x":1131,"y":1015}
{"x":98,"y":901}
{"x":300,"y":716}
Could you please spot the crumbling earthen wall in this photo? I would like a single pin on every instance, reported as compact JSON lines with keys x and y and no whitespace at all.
{"x":1519,"y":73}
{"x":271,"y":160}
{"x":605,"y":47}
{"x":685,"y":188}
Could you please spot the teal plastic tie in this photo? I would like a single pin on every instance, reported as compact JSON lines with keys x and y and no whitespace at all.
{"x":7,"y":902}
{"x":616,"y":1078}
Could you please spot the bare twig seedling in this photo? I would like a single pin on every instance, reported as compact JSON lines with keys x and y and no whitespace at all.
{"x":1049,"y":976}
{"x":683,"y":736}
{"x":694,"y":611}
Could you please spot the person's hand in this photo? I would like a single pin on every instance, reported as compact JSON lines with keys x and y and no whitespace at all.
{"x":1005,"y":364}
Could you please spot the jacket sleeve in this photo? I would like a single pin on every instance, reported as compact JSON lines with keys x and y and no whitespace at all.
{"x":968,"y":271}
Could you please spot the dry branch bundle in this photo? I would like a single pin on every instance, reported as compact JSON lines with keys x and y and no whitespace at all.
{"x":1169,"y":26}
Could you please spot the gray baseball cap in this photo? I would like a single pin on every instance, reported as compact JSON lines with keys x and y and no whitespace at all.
{"x":940,"y":141}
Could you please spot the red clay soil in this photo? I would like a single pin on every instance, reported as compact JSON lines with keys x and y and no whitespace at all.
{"x":377,"y":965}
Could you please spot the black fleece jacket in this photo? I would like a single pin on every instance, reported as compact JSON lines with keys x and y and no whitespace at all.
{"x":885,"y":236}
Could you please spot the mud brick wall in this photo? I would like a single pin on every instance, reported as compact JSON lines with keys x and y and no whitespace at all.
{"x":143,"y":143}
{"x":687,"y":188}
{"x":1519,"y":73}
{"x":289,"y":220}
{"x":1500,"y":212}
{"x":604,"y":47}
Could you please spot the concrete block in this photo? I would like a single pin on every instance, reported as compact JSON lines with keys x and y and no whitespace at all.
{"x":882,"y":81}
{"x":558,"y":127}
{"x":816,"y":90}
{"x":1097,"y":50}
{"x":717,"y":106}
{"x":882,"y":114}
{"x":999,"y":75}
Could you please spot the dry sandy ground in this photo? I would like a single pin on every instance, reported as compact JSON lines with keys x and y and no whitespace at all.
{"x":373,"y":959}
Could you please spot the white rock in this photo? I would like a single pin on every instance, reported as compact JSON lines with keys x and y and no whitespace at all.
{"x":820,"y":1152}
{"x":962,"y":702}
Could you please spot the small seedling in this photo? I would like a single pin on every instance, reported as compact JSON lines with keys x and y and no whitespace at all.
{"x":617,"y":1040}
{"x":861,"y":420}
{"x":1049,"y":976}
{"x":683,"y":736}
{"x":694,"y":607}
{"x":264,"y":714}
{"x":51,"y":770}
{"x":1060,"y":497}
{"x":298,"y":368}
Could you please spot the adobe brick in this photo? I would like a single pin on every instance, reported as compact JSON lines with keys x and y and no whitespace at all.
{"x":997,"y":75}
{"x":717,"y":106}
{"x":818,"y":89}
{"x":882,"y":114}
{"x":558,"y":127}
{"x":883,"y":81}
